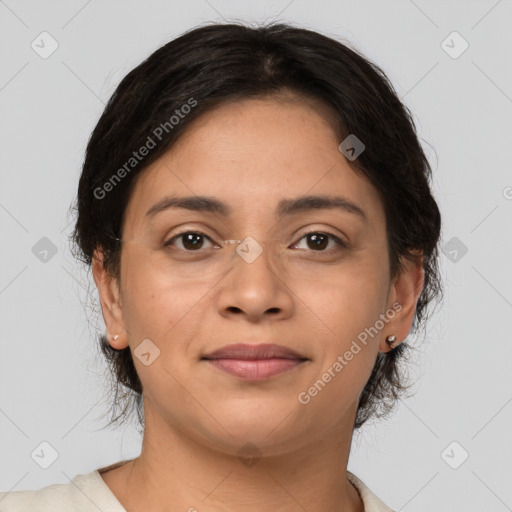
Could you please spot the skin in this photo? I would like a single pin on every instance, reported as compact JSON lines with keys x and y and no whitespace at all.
{"x":251,"y":154}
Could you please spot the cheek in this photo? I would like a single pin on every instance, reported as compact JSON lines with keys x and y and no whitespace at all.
{"x":158,"y":306}
{"x":345,"y":315}
{"x":352,"y":298}
{"x":346,"y":312}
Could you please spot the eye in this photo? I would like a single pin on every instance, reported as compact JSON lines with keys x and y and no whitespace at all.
{"x":318,"y":240}
{"x":191,"y":240}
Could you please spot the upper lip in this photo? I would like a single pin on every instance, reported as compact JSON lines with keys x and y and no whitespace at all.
{"x":260,"y":351}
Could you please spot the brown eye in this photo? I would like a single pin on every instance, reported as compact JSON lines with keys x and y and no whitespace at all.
{"x":191,"y":240}
{"x":318,"y":241}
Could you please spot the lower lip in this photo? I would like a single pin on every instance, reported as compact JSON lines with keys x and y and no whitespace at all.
{"x":257,"y":369}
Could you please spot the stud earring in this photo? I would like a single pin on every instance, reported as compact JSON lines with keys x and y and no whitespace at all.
{"x":115,"y":337}
{"x":390,"y":340}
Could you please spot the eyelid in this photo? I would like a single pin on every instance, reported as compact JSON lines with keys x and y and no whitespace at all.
{"x":187,"y":228}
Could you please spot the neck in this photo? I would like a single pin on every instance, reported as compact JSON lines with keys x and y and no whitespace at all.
{"x":175,"y":473}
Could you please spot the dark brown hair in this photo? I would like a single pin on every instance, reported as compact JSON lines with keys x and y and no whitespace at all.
{"x":212,"y":64}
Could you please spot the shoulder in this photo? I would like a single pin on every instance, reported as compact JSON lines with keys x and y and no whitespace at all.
{"x":371,"y":502}
{"x":56,"y":497}
{"x":86,"y":492}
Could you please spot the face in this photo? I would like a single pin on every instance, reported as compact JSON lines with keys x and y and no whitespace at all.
{"x":314,"y":291}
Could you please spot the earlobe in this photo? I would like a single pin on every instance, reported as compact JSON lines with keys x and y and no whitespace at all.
{"x":108,"y":291}
{"x":405,"y":292}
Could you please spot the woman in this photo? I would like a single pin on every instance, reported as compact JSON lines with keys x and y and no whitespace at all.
{"x":256,"y":210}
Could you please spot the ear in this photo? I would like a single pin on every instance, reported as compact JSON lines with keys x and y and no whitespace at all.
{"x":405,"y":292}
{"x":110,"y":302}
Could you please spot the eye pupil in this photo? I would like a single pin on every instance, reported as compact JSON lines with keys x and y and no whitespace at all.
{"x":193,"y":239}
{"x":319,"y":240}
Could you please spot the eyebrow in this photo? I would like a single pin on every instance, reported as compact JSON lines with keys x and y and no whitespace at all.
{"x":285,"y":206}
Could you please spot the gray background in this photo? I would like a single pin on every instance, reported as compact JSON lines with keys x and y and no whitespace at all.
{"x":52,"y":380}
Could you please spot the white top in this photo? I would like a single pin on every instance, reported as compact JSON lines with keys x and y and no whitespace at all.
{"x":89,"y":493}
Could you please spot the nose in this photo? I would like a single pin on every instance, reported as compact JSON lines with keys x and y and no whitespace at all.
{"x":254,"y":287}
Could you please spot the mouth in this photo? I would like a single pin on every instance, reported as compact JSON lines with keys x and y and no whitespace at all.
{"x":255,"y":362}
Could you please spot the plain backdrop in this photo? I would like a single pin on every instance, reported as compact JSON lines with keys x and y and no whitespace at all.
{"x":448,"y":447}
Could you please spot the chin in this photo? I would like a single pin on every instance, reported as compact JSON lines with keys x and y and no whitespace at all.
{"x":272,"y":432}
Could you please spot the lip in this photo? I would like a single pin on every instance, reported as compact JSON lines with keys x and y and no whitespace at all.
{"x":254,"y":362}
{"x":254,"y":352}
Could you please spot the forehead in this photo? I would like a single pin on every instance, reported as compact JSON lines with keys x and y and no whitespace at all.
{"x":252,"y":154}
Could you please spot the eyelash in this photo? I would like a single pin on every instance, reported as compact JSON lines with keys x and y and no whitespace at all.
{"x":314,"y":232}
